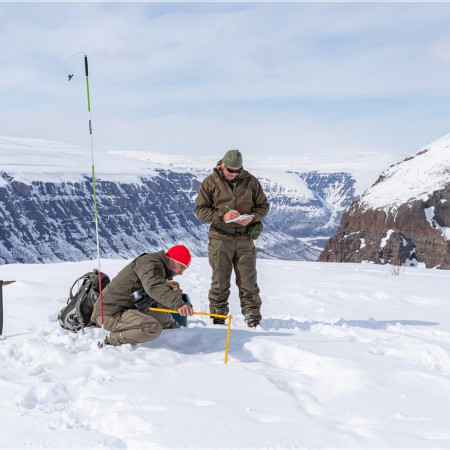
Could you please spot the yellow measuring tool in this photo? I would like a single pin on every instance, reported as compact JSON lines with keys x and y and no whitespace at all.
{"x":205,"y":314}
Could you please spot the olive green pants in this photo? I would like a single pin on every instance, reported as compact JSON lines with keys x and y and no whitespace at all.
{"x":135,"y":327}
{"x":238,"y":253}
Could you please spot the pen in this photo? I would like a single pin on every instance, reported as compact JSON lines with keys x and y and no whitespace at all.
{"x":229,"y":209}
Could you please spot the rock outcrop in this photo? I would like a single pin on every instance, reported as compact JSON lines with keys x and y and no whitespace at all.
{"x":404,"y":218}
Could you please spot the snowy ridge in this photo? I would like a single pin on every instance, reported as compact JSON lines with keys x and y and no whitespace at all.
{"x":347,"y":356}
{"x":430,"y":167}
{"x":41,"y":160}
{"x":403,"y":218}
{"x":29,"y":160}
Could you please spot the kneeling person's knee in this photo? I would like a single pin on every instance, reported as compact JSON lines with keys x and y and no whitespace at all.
{"x":151,"y":328}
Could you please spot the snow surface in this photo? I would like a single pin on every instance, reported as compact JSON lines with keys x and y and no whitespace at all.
{"x":415,"y":178}
{"x":385,"y":240}
{"x":348,"y":355}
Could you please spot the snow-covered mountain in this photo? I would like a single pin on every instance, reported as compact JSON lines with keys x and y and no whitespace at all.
{"x":404,"y":218}
{"x":146,"y":202}
{"x":415,"y":178}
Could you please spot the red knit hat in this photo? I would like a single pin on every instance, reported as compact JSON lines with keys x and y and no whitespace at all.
{"x":179,"y":253}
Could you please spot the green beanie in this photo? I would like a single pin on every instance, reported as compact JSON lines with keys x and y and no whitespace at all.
{"x":232,"y":158}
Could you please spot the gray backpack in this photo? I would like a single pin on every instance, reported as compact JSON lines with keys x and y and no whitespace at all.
{"x":76,"y":315}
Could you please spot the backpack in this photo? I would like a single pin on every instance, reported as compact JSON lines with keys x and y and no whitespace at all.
{"x":77,"y":313}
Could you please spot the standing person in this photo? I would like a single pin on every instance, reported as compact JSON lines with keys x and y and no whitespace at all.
{"x":143,"y":283}
{"x":226,"y":194}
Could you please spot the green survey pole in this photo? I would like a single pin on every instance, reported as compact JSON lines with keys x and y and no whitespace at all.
{"x":93,"y":186}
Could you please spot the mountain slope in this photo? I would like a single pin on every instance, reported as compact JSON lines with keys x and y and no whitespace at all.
{"x":404,"y":218}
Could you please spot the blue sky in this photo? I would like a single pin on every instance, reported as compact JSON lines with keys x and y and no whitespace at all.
{"x":199,"y":78}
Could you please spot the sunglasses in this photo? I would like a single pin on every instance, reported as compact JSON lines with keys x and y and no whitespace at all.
{"x":233,"y":170}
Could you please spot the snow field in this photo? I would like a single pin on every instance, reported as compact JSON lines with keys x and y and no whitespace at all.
{"x":347,"y":355}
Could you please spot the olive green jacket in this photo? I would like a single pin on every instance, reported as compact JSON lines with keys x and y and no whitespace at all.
{"x":216,"y":193}
{"x":149,"y":271}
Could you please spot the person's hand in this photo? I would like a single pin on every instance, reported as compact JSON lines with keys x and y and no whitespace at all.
{"x":230,"y":215}
{"x":186,"y":310}
{"x":244,"y":222}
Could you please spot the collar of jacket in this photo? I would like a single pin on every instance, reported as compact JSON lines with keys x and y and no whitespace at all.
{"x":219,"y":172}
{"x":165,"y":262}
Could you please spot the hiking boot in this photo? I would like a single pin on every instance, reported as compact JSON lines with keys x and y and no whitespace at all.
{"x":252,"y":321}
{"x":103,"y":343}
{"x":218,"y":321}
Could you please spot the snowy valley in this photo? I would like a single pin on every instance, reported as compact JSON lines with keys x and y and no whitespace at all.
{"x":346,"y":356}
{"x":146,"y":201}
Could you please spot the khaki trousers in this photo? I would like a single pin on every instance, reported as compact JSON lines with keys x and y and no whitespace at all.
{"x":238,"y":253}
{"x":131,"y":327}
{"x":135,"y":327}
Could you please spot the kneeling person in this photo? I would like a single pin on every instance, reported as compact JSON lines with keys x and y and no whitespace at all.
{"x":127,"y":316}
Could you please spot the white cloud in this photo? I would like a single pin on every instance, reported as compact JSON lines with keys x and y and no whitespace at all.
{"x":440,"y":49}
{"x":202,"y":74}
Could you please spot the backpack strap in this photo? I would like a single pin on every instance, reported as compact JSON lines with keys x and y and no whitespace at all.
{"x":84,"y":277}
{"x":86,"y":286}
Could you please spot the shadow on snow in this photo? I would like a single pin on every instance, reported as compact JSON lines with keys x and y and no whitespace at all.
{"x":291,"y":324}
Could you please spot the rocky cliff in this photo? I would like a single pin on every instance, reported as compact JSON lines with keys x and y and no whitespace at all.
{"x":145,"y":202}
{"x":48,"y":221}
{"x":404,"y":218}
